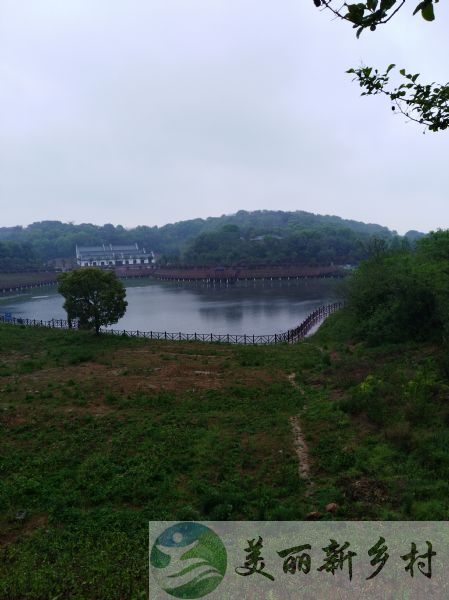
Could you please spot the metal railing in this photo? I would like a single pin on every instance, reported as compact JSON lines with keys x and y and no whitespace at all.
{"x":291,"y":336}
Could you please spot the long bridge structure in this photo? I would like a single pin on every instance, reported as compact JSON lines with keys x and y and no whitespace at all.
{"x":232,"y":274}
{"x":208,"y":275}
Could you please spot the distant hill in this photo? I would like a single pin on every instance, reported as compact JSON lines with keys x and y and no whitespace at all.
{"x":414,"y":235}
{"x":244,"y":237}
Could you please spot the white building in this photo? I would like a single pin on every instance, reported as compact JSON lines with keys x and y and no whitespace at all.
{"x":112,"y":256}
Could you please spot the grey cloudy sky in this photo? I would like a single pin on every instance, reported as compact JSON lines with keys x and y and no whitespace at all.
{"x":153,"y":111}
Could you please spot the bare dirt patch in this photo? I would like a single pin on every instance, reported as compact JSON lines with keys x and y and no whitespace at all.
{"x":16,"y":530}
{"x":11,"y":419}
{"x":366,"y":490}
{"x":85,"y":387}
{"x":301,"y":449}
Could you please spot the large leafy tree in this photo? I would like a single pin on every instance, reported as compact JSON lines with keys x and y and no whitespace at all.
{"x":93,"y":296}
{"x":425,"y":103}
{"x":403,"y":294}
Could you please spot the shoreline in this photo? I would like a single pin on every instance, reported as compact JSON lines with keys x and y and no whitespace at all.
{"x":17,"y":282}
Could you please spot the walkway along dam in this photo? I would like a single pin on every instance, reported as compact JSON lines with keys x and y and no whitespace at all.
{"x":20,"y":282}
{"x":291,"y":336}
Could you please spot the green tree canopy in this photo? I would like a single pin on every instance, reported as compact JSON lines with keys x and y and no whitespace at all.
{"x":259,"y":236}
{"x":403,"y":294}
{"x":427,"y":104}
{"x":93,"y":296}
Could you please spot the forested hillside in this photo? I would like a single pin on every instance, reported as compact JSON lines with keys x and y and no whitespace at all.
{"x":18,"y":256}
{"x":245,"y":237}
{"x":402,"y":295}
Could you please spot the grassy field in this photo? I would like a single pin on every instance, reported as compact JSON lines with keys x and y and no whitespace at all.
{"x":100,"y":435}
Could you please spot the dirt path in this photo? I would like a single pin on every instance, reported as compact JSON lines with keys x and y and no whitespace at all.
{"x":301,"y":448}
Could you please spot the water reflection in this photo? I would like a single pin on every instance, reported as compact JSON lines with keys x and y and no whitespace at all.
{"x":267,"y":309}
{"x":231,"y":314}
{"x":245,"y":307}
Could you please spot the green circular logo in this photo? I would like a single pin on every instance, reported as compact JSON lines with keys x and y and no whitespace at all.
{"x":188,"y":560}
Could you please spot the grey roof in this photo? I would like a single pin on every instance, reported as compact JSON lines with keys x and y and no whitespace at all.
{"x":90,"y":248}
{"x":131,"y":248}
{"x":109,"y":251}
{"x":95,"y":253}
{"x":110,"y":247}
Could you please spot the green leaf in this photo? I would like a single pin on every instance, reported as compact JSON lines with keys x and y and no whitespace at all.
{"x":387,"y":4}
{"x":420,"y":6}
{"x":427,"y":13}
{"x":355,"y":13}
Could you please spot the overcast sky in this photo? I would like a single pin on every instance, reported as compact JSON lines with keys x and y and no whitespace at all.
{"x":154,"y":111}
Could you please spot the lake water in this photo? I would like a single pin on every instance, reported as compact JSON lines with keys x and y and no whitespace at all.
{"x":244,"y":307}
